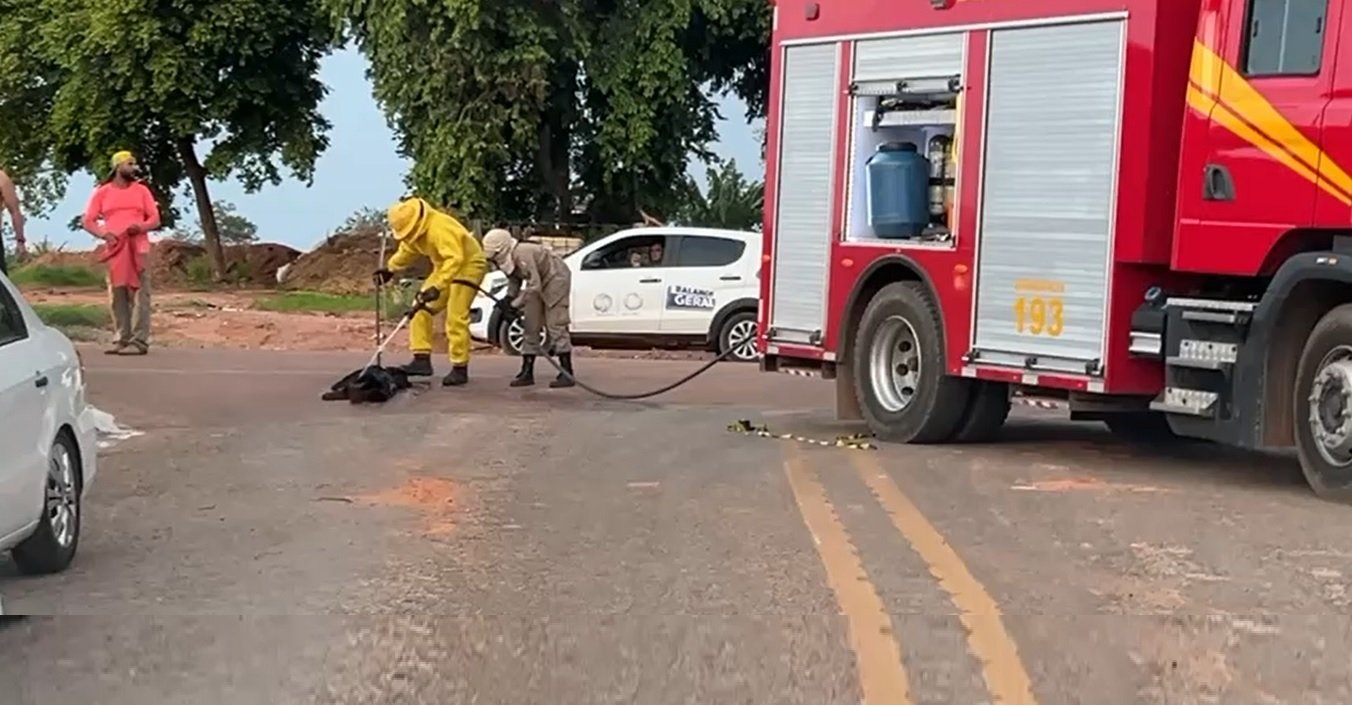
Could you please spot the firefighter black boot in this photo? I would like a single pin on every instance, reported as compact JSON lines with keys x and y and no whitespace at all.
{"x":421,"y":366}
{"x":458,"y":376}
{"x":565,"y":362}
{"x":526,"y":377}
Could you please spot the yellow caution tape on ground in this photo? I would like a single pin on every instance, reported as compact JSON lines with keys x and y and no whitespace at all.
{"x":843,"y":441}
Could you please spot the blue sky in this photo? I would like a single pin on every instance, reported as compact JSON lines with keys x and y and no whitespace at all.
{"x":360,"y":168}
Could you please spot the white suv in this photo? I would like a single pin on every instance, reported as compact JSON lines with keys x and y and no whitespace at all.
{"x":662,"y":287}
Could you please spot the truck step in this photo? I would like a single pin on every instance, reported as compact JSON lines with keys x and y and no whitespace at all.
{"x":1226,"y":312}
{"x":1204,"y":355}
{"x":1212,"y":304}
{"x":1182,"y":400}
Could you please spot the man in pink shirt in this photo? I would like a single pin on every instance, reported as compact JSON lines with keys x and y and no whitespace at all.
{"x":10,"y":197}
{"x":122,"y":212}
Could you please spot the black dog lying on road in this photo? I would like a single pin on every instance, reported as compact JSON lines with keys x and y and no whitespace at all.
{"x":373,"y":384}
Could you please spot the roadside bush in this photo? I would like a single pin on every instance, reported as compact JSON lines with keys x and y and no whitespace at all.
{"x":240,"y":273}
{"x":69,"y":316}
{"x":57,"y":276}
{"x":199,"y":273}
{"x":315,"y":302}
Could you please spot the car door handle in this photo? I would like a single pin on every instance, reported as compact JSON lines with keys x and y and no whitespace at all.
{"x":730,"y":278}
{"x":650,"y":280}
{"x":41,"y":381}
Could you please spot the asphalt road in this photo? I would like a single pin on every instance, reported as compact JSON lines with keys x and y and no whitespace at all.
{"x":486,"y":544}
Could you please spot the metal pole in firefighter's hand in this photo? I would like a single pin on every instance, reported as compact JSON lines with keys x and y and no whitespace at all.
{"x":375,"y":359}
{"x":380,"y":300}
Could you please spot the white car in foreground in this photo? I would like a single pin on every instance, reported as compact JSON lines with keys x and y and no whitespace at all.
{"x":48,"y":440}
{"x":663,"y":287}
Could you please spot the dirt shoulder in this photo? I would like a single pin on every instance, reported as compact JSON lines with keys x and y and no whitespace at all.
{"x":233,"y":320}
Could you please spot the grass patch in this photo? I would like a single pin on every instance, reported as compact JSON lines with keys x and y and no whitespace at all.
{"x":57,"y":276}
{"x":74,"y":316}
{"x":315,"y":302}
{"x":199,"y":274}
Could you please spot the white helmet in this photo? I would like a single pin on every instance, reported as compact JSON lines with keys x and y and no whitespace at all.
{"x":498,"y":246}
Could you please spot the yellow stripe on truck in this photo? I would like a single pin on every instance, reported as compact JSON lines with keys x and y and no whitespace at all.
{"x":1221,"y":92}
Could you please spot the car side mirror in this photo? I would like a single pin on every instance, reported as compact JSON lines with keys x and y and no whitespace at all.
{"x":593,"y":262}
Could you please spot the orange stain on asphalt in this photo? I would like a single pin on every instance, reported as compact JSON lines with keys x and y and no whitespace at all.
{"x":432,"y":497}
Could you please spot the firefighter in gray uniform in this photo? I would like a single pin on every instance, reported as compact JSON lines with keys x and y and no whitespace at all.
{"x":540,"y":286}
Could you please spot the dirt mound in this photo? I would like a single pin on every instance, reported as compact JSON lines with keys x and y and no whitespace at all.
{"x":171,"y":262}
{"x":342,"y":264}
{"x":263,"y":260}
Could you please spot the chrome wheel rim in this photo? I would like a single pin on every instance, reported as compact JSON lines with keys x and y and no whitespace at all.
{"x":1329,"y":407}
{"x":516,"y":335}
{"x":894,"y":363}
{"x":742,"y":340}
{"x":62,"y":506}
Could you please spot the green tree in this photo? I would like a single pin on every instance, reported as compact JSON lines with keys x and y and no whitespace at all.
{"x":518,"y":108}
{"x":729,"y":201}
{"x":28,"y":85}
{"x":233,"y":228}
{"x":364,"y":218}
{"x":198,"y":90}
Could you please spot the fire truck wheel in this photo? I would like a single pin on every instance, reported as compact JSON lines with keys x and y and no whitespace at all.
{"x":899,"y":366}
{"x":986,"y":413}
{"x":1323,"y":406}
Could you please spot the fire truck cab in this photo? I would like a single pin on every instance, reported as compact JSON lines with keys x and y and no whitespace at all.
{"x":1140,"y":206}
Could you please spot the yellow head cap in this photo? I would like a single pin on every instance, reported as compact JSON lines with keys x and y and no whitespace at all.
{"x":406,"y":216}
{"x":119,"y":157}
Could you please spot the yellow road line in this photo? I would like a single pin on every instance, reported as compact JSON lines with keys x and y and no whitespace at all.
{"x":882,"y":675}
{"x":1006,"y":679}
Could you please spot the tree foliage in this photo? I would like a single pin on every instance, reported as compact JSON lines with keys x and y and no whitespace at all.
{"x":198,"y":90}
{"x":364,"y":218}
{"x":730,"y":200}
{"x":233,"y":227}
{"x":518,"y":109}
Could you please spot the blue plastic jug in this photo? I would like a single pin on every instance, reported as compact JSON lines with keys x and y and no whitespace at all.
{"x":898,"y":191}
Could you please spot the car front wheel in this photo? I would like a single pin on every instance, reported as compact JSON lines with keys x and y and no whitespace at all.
{"x":512,"y":336}
{"x":737,"y":337}
{"x":52,"y":546}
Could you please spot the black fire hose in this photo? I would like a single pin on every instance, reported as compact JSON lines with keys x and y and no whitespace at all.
{"x":602,"y":393}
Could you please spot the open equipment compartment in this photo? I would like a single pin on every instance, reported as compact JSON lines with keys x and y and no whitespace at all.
{"x":904,"y":91}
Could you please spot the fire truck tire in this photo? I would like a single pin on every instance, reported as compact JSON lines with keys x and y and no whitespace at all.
{"x":1323,"y":415}
{"x":986,"y":413}
{"x":899,"y":369}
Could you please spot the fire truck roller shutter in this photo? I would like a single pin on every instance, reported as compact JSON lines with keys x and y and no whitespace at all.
{"x":1049,"y":196}
{"x":802,"y":246}
{"x":925,"y":63}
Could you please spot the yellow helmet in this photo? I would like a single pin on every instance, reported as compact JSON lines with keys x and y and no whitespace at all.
{"x":406,"y":216}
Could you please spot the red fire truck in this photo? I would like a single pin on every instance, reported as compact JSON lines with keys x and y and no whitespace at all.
{"x":1137,"y":205}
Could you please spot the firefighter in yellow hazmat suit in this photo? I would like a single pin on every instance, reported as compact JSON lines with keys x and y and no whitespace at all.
{"x":421,"y":231}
